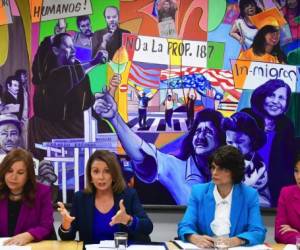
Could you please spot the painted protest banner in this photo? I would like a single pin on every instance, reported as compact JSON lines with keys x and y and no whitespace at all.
{"x":55,"y":9}
{"x":157,"y":50}
{"x":250,"y":74}
{"x":5,"y":12}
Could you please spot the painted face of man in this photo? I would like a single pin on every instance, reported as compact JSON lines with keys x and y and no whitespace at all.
{"x":13,"y":87}
{"x":239,"y":140}
{"x":275,"y":104}
{"x":85,"y":27}
{"x":9,"y":137}
{"x":112,"y":19}
{"x":66,"y":51}
{"x":204,"y":140}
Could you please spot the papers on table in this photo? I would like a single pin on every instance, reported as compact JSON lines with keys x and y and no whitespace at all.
{"x":145,"y":247}
{"x":2,"y":240}
{"x":110,"y":245}
{"x":290,"y":247}
{"x":12,"y":247}
{"x":190,"y":246}
{"x":256,"y":247}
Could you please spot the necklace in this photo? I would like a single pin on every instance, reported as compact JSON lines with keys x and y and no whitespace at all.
{"x":18,"y":194}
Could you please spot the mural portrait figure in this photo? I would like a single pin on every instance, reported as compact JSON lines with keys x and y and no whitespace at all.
{"x":243,"y":30}
{"x":176,"y":173}
{"x":243,"y":133}
{"x":166,"y":10}
{"x":269,"y":103}
{"x":109,"y":38}
{"x":10,"y":133}
{"x":62,"y":93}
{"x":265,"y":47}
{"x":190,"y":107}
{"x":12,"y":98}
{"x":83,"y":38}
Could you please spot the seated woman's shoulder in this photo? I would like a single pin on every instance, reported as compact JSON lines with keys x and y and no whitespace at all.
{"x":202,"y":187}
{"x":42,"y":188}
{"x":290,"y":189}
{"x":129,"y":191}
{"x":249,"y":191}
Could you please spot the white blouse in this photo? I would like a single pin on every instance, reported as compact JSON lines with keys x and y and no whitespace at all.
{"x":221,"y":223}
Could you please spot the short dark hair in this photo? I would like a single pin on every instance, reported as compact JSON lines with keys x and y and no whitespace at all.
{"x":244,"y":3}
{"x":113,"y":164}
{"x":20,"y":72}
{"x":297,"y":158}
{"x":243,"y":122}
{"x":230,"y":158}
{"x":205,"y":115}
{"x":112,"y":7}
{"x":260,"y":93}
{"x":10,"y":79}
{"x":13,"y":156}
{"x":57,"y":40}
{"x":82,"y":18}
{"x":259,"y":43}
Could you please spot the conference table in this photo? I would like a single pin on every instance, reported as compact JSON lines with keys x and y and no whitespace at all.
{"x":77,"y":245}
{"x":171,"y":246}
{"x":56,"y":245}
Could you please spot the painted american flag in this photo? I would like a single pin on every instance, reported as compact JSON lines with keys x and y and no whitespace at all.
{"x":218,"y":78}
{"x":144,"y":77}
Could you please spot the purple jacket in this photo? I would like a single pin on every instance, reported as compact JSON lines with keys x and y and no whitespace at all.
{"x":37,"y":219}
{"x":288,"y":212}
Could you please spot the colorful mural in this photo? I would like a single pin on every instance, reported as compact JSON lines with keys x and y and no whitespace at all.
{"x":162,"y":83}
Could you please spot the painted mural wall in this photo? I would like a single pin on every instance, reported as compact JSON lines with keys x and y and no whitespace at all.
{"x":162,"y":83}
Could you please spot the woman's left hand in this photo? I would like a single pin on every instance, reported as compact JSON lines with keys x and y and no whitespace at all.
{"x":19,"y":239}
{"x":286,"y":228}
{"x":121,"y":217}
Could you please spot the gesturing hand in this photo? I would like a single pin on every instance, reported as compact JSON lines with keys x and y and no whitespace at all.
{"x":19,"y":239}
{"x":121,"y":217}
{"x":105,"y":105}
{"x":66,"y":218}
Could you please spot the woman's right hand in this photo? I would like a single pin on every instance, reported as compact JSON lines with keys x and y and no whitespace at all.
{"x":66,"y":218}
{"x":202,"y":241}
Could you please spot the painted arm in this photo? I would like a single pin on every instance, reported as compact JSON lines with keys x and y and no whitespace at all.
{"x":107,"y":108}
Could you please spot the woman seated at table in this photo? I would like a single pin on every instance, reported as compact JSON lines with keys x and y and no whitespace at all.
{"x":223,"y":207}
{"x":26,"y":212}
{"x":106,"y":206}
{"x":287,"y":222}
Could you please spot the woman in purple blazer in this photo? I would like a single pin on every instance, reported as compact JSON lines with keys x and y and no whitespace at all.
{"x":287,"y":223}
{"x":26,"y":212}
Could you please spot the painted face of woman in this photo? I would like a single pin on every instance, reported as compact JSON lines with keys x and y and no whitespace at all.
{"x":275,"y":104}
{"x":272,"y":38}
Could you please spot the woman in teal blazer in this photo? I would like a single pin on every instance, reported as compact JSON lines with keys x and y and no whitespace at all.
{"x":245,"y":226}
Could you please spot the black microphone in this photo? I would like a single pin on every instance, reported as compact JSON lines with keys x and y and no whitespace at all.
{"x":100,"y":58}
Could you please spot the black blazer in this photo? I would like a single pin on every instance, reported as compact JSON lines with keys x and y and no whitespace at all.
{"x":82,"y":209}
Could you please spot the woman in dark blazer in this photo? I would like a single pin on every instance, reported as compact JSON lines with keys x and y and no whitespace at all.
{"x":26,"y":212}
{"x":106,"y":206}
